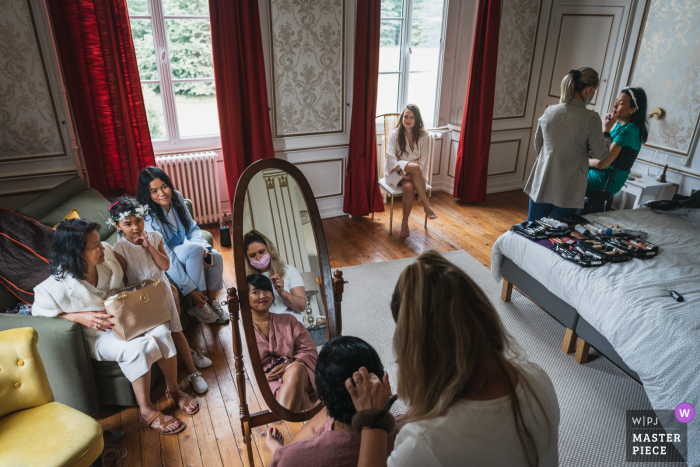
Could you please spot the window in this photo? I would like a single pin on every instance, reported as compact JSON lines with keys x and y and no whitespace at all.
{"x":410,"y":56}
{"x":172,"y":39}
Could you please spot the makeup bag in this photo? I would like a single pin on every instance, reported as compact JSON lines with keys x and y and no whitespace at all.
{"x":138,"y":309}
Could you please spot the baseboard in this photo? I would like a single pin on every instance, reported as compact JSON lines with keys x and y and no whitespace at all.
{"x":330,"y":207}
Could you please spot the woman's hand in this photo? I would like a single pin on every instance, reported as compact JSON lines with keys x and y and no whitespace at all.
{"x":277,"y":372}
{"x":90,"y":319}
{"x":407,"y":176}
{"x":198,"y":298}
{"x":608,"y":122}
{"x":277,"y":283}
{"x":368,"y":392}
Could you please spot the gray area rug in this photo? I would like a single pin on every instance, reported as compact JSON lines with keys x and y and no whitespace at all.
{"x":592,"y":398}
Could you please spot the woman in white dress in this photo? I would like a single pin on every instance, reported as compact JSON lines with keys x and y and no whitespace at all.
{"x":262,"y":258}
{"x":83,"y":270}
{"x":407,"y":154}
{"x":471,"y":400}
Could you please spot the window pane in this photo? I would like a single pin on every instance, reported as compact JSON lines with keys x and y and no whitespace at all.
{"x":189,"y":43}
{"x":391,"y":8}
{"x":388,"y":93}
{"x":137,"y":7}
{"x":186,"y":7}
{"x":196,"y":108}
{"x":421,"y":91}
{"x":427,"y":8}
{"x":154,"y":110}
{"x":145,"y":50}
{"x":390,"y":46}
{"x":425,"y":45}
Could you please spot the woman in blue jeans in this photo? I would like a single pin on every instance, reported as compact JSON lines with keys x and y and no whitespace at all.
{"x":187,"y":249}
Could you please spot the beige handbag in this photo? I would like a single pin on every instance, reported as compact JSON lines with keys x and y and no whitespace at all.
{"x":138,"y":309}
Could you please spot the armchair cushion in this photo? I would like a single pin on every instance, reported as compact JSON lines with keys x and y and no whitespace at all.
{"x":50,"y":435}
{"x":23,"y":381}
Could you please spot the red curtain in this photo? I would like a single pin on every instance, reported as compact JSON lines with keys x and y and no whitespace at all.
{"x":241,"y":92}
{"x":361,"y":188}
{"x":475,"y":138}
{"x":98,"y":60}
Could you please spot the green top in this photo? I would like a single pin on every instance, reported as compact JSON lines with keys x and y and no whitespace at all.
{"x":627,"y":135}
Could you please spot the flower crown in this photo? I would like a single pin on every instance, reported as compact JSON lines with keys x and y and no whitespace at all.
{"x":140,"y":211}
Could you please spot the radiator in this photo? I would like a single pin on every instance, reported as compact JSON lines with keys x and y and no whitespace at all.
{"x":195,"y":176}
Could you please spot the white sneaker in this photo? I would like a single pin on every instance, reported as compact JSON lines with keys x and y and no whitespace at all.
{"x":200,"y":360}
{"x":198,"y":384}
{"x":223,"y":316}
{"x":204,"y":314}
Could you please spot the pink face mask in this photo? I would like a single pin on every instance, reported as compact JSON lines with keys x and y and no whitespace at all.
{"x":261,"y":263}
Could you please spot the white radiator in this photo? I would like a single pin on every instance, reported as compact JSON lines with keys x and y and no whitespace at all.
{"x":195,"y":176}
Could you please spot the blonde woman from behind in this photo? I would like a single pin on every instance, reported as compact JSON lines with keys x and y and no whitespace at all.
{"x":471,"y":399}
{"x":568,"y":134}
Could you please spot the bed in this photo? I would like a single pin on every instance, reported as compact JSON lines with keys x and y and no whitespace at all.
{"x":624,"y":310}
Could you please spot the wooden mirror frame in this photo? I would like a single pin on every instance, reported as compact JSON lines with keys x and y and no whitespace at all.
{"x":332,"y":282}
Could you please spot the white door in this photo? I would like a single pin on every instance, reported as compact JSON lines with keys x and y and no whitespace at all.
{"x":582,"y":34}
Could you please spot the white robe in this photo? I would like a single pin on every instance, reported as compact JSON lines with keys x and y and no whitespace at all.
{"x":69,"y":295}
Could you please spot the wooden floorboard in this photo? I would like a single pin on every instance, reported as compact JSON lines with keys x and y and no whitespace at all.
{"x":214,"y":436}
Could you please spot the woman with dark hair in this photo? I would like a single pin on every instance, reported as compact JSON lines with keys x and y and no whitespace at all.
{"x":287,"y":351}
{"x":471,"y":400}
{"x":631,"y":131}
{"x":83,"y":270}
{"x":328,"y":438}
{"x":194,"y":273}
{"x":262,"y":258}
{"x":407,"y":154}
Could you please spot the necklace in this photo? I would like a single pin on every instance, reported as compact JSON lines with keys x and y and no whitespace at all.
{"x":91,"y":282}
{"x":261,"y":323}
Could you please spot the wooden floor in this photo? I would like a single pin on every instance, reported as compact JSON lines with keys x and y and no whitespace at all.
{"x":214,"y":435}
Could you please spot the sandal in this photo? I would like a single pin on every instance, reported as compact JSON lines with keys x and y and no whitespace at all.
{"x":163,"y":425}
{"x":188,"y":399}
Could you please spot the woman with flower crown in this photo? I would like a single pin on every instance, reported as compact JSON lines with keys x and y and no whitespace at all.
{"x":142,"y":256}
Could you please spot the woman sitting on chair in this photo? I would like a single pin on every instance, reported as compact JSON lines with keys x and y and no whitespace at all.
{"x":627,"y":137}
{"x":287,"y":352}
{"x":407,"y":154}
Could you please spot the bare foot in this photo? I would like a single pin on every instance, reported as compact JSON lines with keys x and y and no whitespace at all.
{"x":429,"y":211}
{"x":274,"y":439}
{"x":404,"y":229}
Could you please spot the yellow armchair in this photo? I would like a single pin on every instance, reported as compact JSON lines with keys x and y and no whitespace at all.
{"x":34,"y":430}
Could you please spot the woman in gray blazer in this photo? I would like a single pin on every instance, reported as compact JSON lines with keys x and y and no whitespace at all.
{"x":568,"y":134}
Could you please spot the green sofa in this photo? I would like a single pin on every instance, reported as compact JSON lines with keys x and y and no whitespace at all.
{"x":76,"y":379}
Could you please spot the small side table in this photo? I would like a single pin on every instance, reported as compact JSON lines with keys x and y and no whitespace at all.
{"x":643,"y":189}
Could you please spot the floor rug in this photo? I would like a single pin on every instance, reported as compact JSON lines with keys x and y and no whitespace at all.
{"x":592,"y":398}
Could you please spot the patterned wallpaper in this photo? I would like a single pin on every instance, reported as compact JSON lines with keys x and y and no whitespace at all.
{"x":516,"y":44}
{"x":668,"y":68}
{"x":28,"y":125}
{"x":307,"y":51}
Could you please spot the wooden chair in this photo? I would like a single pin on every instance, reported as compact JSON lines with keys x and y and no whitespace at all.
{"x":390,"y":122}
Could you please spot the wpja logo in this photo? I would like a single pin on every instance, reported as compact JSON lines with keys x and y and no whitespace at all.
{"x":656,"y":436}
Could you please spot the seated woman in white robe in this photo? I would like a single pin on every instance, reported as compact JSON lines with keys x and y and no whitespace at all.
{"x":83,"y":271}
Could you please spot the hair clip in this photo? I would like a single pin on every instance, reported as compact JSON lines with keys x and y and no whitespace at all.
{"x":113,"y":204}
{"x":577,"y":74}
{"x":632,"y":96}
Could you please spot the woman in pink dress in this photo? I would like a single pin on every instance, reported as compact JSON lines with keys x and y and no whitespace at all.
{"x":286,"y":349}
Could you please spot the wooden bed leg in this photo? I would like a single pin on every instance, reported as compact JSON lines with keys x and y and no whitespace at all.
{"x":569,"y":344}
{"x":582,"y":349}
{"x":507,"y":291}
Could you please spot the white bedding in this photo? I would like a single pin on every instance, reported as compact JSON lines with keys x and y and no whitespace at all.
{"x":629,"y":304}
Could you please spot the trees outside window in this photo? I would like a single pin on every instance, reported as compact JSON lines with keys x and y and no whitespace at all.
{"x":410,"y":56}
{"x":172,"y":39}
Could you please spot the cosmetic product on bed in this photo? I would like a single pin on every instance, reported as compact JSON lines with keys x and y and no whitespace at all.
{"x":555,"y":224}
{"x":676,"y":296}
{"x":611,"y":251}
{"x":579,"y":256}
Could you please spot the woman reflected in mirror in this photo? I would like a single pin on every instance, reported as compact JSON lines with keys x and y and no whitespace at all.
{"x":287,"y":351}
{"x":288,"y":286}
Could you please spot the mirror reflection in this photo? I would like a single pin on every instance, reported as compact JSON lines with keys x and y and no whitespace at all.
{"x":283,"y":275}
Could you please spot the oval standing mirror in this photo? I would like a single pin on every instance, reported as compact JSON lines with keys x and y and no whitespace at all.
{"x":289,"y":300}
